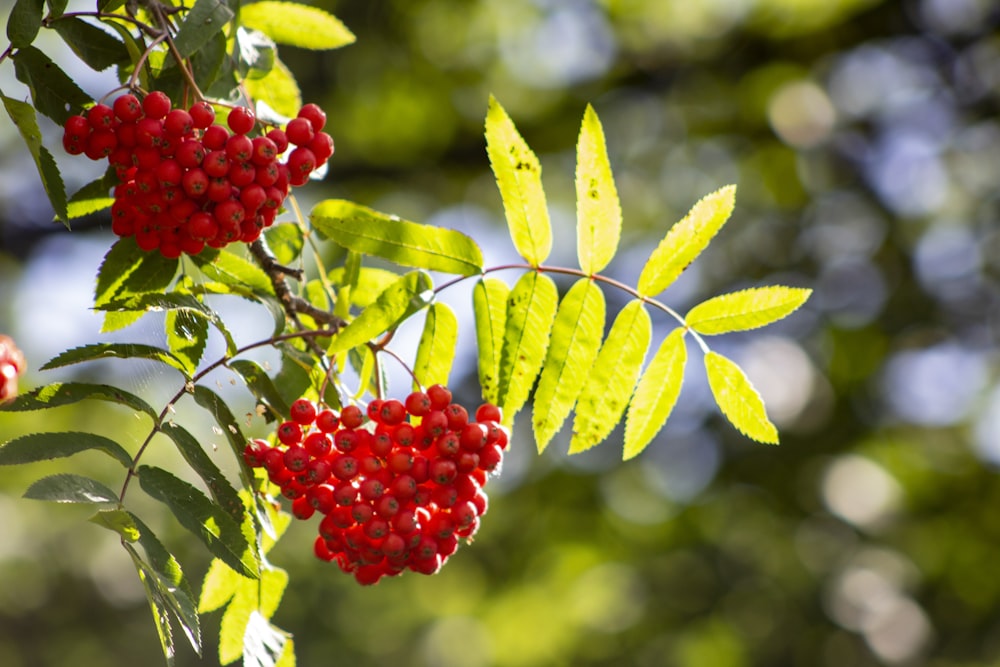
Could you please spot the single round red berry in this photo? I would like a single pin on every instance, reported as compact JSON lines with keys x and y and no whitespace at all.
{"x":299,"y":131}
{"x":487,"y":412}
{"x":352,"y":417}
{"x":240,"y":120}
{"x":178,"y":123}
{"x":127,"y":108}
{"x":439,"y":395}
{"x":302,"y":411}
{"x":156,"y":105}
{"x":101,"y":117}
{"x":318,"y":444}
{"x":290,"y":433}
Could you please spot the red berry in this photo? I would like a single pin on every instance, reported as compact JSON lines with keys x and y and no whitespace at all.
{"x":314,"y":114}
{"x":448,"y":444}
{"x":327,"y":421}
{"x":178,"y":123}
{"x":195,"y":182}
{"x":457,"y":416}
{"x":216,"y":164}
{"x":443,"y":471}
{"x":149,"y":132}
{"x":439,"y":395}
{"x":239,"y":147}
{"x":100,"y":144}
{"x":263,"y":151}
{"x":127,"y":108}
{"x":240,"y":120}
{"x":321,"y":146}
{"x":301,"y":163}
{"x":202,"y":114}
{"x":346,"y":441}
{"x":318,"y":471}
{"x":290,"y":433}
{"x":101,"y":117}
{"x":392,"y":412}
{"x":299,"y":131}
{"x":280,"y":140}
{"x":487,"y":412}
{"x":318,"y":444}
{"x":156,"y":105}
{"x":190,"y":153}
{"x":352,"y":417}
{"x":296,"y":458}
{"x":215,"y":137}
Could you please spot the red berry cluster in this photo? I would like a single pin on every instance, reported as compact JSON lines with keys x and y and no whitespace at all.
{"x":11,"y":365}
{"x":395,"y":493}
{"x":186,"y":182}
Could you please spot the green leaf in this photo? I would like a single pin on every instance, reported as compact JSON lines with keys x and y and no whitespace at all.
{"x":489,"y":305}
{"x":134,"y":44}
{"x":656,"y":394}
{"x":56,"y":7}
{"x":46,"y":446}
{"x":173,"y":586}
{"x":256,"y":53}
{"x":285,"y":241}
{"x":157,"y":604}
{"x":349,"y":280}
{"x":207,"y":62}
{"x":519,"y":178}
{"x":98,"y":49}
{"x":609,"y":386}
{"x":296,"y":25}
{"x":738,"y":399}
{"x":119,"y":521}
{"x":220,"y":488}
{"x":52,"y":91}
{"x":400,"y":300}
{"x":278,"y":89}
{"x":261,"y":386}
{"x":231,"y":269}
{"x":67,"y":488}
{"x":531,"y":308}
{"x":746,"y":309}
{"x":363,"y":230}
{"x":368,"y":284}
{"x":23,"y":116}
{"x":686,"y":240}
{"x":187,"y":337}
{"x":219,"y":586}
{"x":202,"y":23}
{"x":576,"y":339}
{"x":115,"y":351}
{"x":212,"y":402}
{"x":127,"y":271}
{"x":436,"y":350}
{"x":204,"y":519}
{"x":598,"y":210}
{"x":24,"y":22}
{"x":92,"y":197}
{"x":263,"y":643}
{"x":248,"y":600}
{"x":66,"y":393}
{"x":153,"y":301}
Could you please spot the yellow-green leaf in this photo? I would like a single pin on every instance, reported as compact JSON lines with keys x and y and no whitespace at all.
{"x":611,"y":381}
{"x":261,"y":597}
{"x":489,"y":305}
{"x":296,"y":24}
{"x":219,"y":586}
{"x":746,"y":309}
{"x":519,"y":178}
{"x":656,"y":394}
{"x":598,"y":210}
{"x":531,"y":307}
{"x":685,"y":240}
{"x":738,"y":400}
{"x":436,"y":350}
{"x":576,"y":339}
{"x":278,"y":89}
{"x":401,"y":299}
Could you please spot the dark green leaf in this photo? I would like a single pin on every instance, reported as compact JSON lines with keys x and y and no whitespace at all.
{"x":400,"y":300}
{"x":349,"y":279}
{"x":223,"y":536}
{"x":65,"y":393}
{"x":261,"y":386}
{"x":115,"y":351}
{"x":119,"y":521}
{"x":187,"y":336}
{"x":128,"y":271}
{"x":53,"y":92}
{"x":359,"y":228}
{"x":56,"y":7}
{"x":285,"y":241}
{"x":203,"y":22}
{"x":66,"y":488}
{"x":220,"y":488}
{"x":23,"y":116}
{"x":95,"y":47}
{"x":45,"y":446}
{"x":24,"y":22}
{"x":207,"y":62}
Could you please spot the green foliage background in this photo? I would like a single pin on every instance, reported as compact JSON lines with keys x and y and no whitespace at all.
{"x":863,"y":137}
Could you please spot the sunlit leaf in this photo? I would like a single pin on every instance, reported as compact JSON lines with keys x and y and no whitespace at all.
{"x":404,"y":297}
{"x":229,"y":268}
{"x":436,"y":350}
{"x":66,"y":393}
{"x":278,"y":89}
{"x":157,"y":604}
{"x":686,"y":240}
{"x":67,"y":488}
{"x":296,"y":25}
{"x":201,"y":24}
{"x":489,"y":303}
{"x":656,"y":394}
{"x":363,"y":230}
{"x":738,"y":399}
{"x":45,"y":446}
{"x":92,"y":197}
{"x":219,"y":586}
{"x":119,"y":521}
{"x":610,"y":383}
{"x":96,"y":351}
{"x":263,"y":643}
{"x":203,"y":518}
{"x":366,"y":286}
{"x":285,"y":241}
{"x":519,"y":178}
{"x":187,"y":337}
{"x":576,"y":339}
{"x":531,"y":308}
{"x":598,"y":210}
{"x":746,"y":309}
{"x":250,"y":598}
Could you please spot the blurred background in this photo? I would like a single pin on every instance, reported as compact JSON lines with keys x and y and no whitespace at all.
{"x":864,"y":137}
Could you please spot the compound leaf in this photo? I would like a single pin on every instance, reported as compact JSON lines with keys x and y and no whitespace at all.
{"x":656,"y":394}
{"x":296,"y":25}
{"x":576,"y":339}
{"x":686,"y":240}
{"x":46,"y":446}
{"x":519,"y":178}
{"x":738,"y":399}
{"x":609,"y":385}
{"x":364,"y":230}
{"x":598,"y":210}
{"x":489,"y":305}
{"x":436,"y":350}
{"x":218,"y":588}
{"x":67,"y":488}
{"x":746,"y":309}
{"x":531,"y":308}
